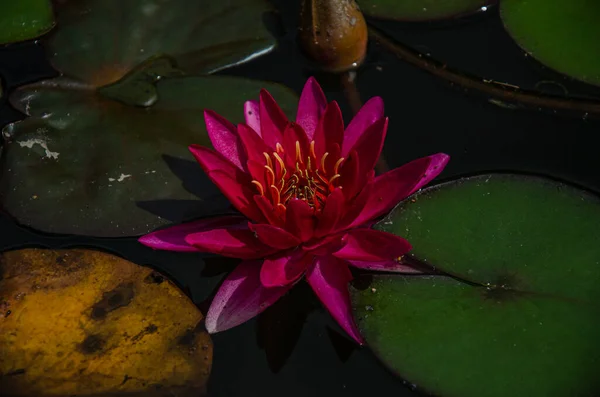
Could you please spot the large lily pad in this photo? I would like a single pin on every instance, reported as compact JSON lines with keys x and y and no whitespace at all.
{"x":24,"y":19}
{"x":81,"y":322}
{"x":562,"y":34}
{"x":519,"y":317}
{"x":99,"y":41}
{"x":85,"y":162}
{"x":421,"y":10}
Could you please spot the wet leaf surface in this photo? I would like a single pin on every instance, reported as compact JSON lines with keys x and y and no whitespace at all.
{"x":521,"y":316}
{"x":421,"y":10}
{"x":24,"y":20}
{"x":99,"y":41}
{"x":84,"y":163}
{"x":561,"y":34}
{"x":82,"y":322}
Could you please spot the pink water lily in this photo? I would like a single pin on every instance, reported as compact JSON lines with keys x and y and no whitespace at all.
{"x":307,"y":192}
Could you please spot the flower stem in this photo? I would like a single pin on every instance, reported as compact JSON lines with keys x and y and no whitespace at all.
{"x":494,"y":89}
{"x":353,"y":98}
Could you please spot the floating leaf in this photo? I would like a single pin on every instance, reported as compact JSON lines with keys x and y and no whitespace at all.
{"x":421,"y":10}
{"x":520,"y":318}
{"x":99,"y":41}
{"x":24,"y":19}
{"x":87,"y":164}
{"x":561,"y":34}
{"x":82,"y":322}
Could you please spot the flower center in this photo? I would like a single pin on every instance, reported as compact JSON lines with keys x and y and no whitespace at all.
{"x":303,"y":178}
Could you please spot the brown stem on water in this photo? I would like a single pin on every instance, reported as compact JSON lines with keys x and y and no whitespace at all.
{"x":500,"y":91}
{"x":353,"y":98}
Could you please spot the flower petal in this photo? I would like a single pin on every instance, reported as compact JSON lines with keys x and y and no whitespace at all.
{"x":233,"y":183}
{"x":253,"y":144}
{"x":274,"y":236}
{"x":225,"y":139}
{"x":394,"y":186}
{"x":300,"y":219}
{"x":436,"y":166}
{"x":311,"y":107}
{"x":372,"y":245}
{"x":272,"y":120}
{"x":331,"y":213}
{"x":252,"y":115}
{"x":241,"y":297}
{"x":284,"y":268}
{"x":366,"y":116}
{"x":274,"y":216}
{"x":330,"y":130}
{"x":173,"y":238}
{"x":329,"y":277}
{"x":236,"y":241}
{"x":369,"y":146}
{"x":386,"y":266}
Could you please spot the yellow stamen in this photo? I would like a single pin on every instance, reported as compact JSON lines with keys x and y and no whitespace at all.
{"x":269,"y":163}
{"x":308,"y":166}
{"x":259,"y":186}
{"x":275,"y":194}
{"x":337,"y":165}
{"x":280,"y":161}
{"x":271,"y":174}
{"x":298,"y":153}
{"x":323,"y":161}
{"x":279,"y":148}
{"x":333,"y":178}
{"x":312,"y":149}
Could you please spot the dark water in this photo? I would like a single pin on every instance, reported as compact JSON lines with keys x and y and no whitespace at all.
{"x":295,"y":349}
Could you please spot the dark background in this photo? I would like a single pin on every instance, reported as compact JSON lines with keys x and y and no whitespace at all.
{"x":294,"y":348}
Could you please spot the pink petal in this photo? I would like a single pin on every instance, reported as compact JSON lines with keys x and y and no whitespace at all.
{"x":240,"y":298}
{"x":395,"y":185}
{"x":233,"y":241}
{"x":311,"y":107}
{"x":372,"y":245}
{"x":437,"y":165}
{"x":329,"y":277}
{"x":273,"y":216}
{"x":284,"y":268}
{"x":253,"y":144}
{"x":300,"y":219}
{"x":366,"y":116}
{"x":274,"y":236}
{"x":330,"y":130}
{"x":369,"y":146}
{"x":272,"y":119}
{"x":173,"y":238}
{"x":331,"y":213}
{"x":252,"y":115}
{"x":386,"y":266}
{"x":233,"y":183}
{"x":224,"y":138}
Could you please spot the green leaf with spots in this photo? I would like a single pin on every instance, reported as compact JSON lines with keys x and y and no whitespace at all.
{"x":86,"y":162}
{"x":561,"y":34}
{"x":421,"y":10}
{"x":24,"y":19}
{"x":513,"y":308}
{"x":99,"y":41}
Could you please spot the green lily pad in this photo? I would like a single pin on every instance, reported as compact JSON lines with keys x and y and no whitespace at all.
{"x":421,"y":10}
{"x":561,"y":34}
{"x":86,"y":164}
{"x":24,"y":19}
{"x":520,"y":314}
{"x":99,"y":41}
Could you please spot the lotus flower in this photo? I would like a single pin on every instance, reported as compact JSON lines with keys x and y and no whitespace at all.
{"x":307,"y":194}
